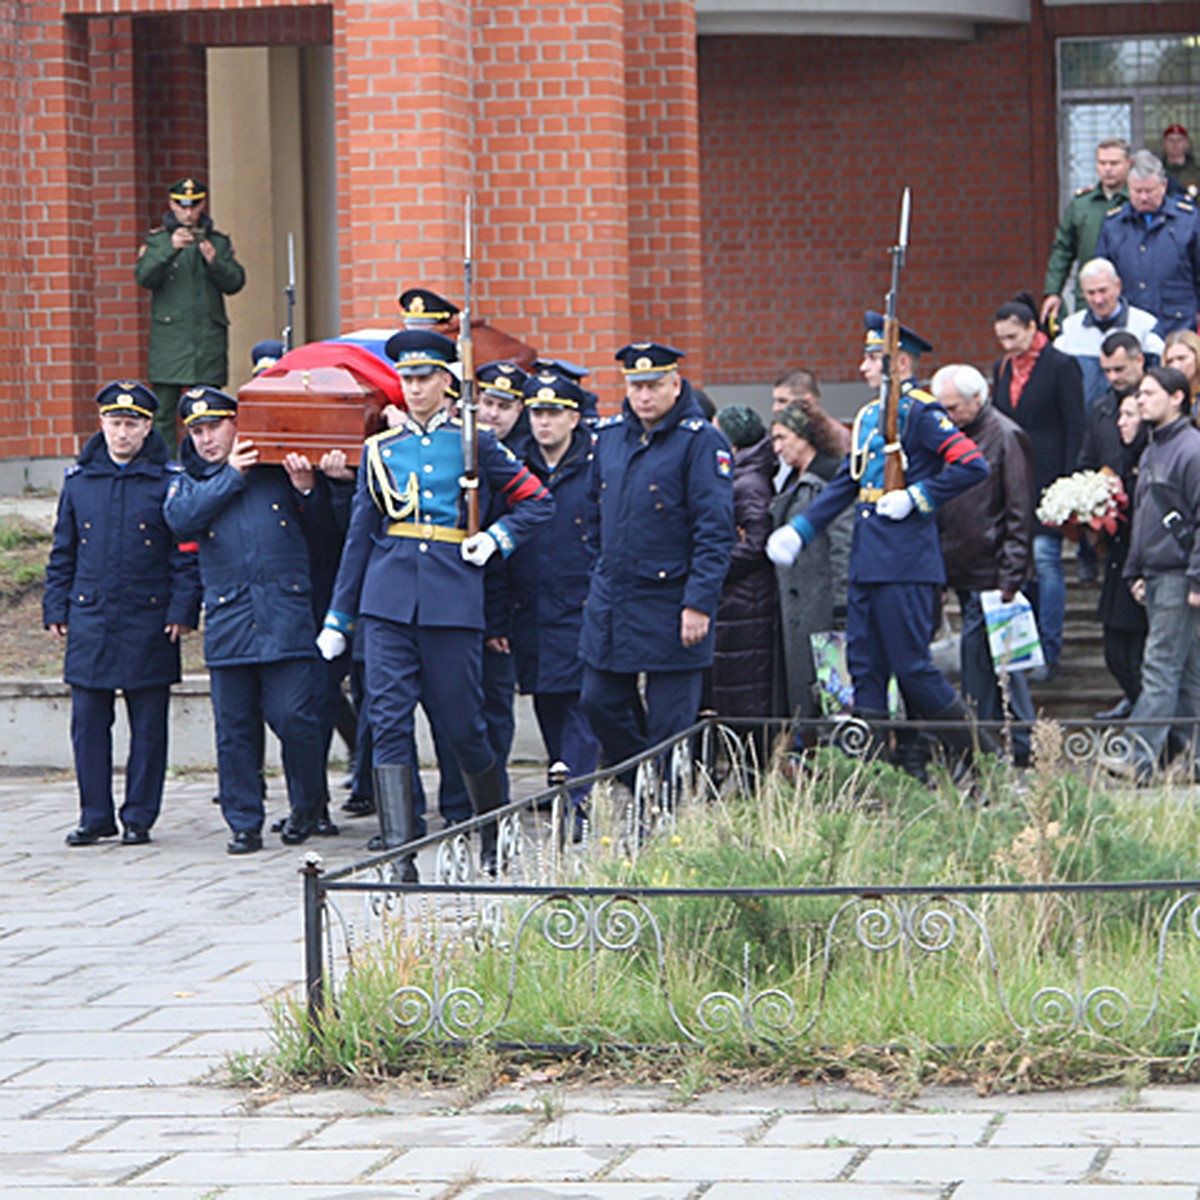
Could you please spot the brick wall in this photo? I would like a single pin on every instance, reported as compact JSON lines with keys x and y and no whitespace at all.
{"x":14,"y":414}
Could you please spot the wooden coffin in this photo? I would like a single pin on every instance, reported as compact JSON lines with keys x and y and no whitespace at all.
{"x":309,"y":410}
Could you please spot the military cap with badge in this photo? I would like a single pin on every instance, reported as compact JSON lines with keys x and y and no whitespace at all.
{"x":126,"y":397}
{"x":188,"y":192}
{"x":201,"y":404}
{"x":642,"y":361}
{"x":422,"y":309}
{"x":502,"y":378}
{"x":910,"y":341}
{"x":546,"y":389}
{"x":420,"y":352}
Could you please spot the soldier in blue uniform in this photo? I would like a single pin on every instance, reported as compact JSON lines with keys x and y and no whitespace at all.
{"x":896,"y":568}
{"x":253,"y":525}
{"x":551,"y":573}
{"x":1153,"y":240}
{"x":663,"y":482}
{"x":412,"y":575}
{"x":121,"y":592}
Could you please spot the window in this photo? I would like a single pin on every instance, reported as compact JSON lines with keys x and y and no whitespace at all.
{"x":1131,"y":88}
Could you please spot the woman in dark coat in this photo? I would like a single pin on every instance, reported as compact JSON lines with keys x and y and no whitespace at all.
{"x":812,"y":591}
{"x":1042,"y":390}
{"x":743,"y":660}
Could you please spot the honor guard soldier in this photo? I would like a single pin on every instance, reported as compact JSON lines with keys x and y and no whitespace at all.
{"x":120,"y":591}
{"x":189,"y":267}
{"x":663,"y":482}
{"x":254,"y":525}
{"x":550,"y":574}
{"x":896,"y":568}
{"x":411,"y":578}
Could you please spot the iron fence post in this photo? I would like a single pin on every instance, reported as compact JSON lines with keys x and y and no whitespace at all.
{"x":314,"y":935}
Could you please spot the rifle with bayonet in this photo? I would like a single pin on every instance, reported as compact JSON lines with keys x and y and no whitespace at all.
{"x":469,"y":405}
{"x":890,"y":385}
{"x":290,"y":293}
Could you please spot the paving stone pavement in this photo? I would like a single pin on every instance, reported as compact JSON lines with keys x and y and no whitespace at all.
{"x":128,"y":975}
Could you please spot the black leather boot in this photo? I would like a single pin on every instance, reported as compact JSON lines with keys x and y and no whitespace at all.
{"x":486,"y":790}
{"x":394,"y":803}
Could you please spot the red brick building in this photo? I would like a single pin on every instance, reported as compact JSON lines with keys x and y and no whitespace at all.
{"x":723,"y":175}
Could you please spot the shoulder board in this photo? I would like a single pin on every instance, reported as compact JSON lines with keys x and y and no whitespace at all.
{"x":1083,"y":191}
{"x":609,"y":422}
{"x":923,"y":396}
{"x":73,"y":469}
{"x":159,"y":229}
{"x":1185,"y":206}
{"x":1112,"y":212}
{"x":455,"y":421}
{"x":384,"y":434}
{"x":693,"y":423}
{"x":175,"y":468}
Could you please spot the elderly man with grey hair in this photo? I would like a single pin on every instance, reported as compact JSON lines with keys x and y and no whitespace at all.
{"x":987,"y":540}
{"x":1106,"y":311}
{"x":1153,"y":240}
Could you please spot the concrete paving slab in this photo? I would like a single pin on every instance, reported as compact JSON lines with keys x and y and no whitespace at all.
{"x":464,"y":1164}
{"x":102,"y":1044}
{"x":409,"y":1131}
{"x":23,"y":1172}
{"x":196,"y":1103}
{"x":1145,"y":1164}
{"x":763,"y":1164}
{"x":650,"y":1129}
{"x":264,"y":1167}
{"x":16,"y":1102}
{"x":601,"y":1097}
{"x":340,"y":1191}
{"x":877,"y":1129}
{"x":602,"y":1190}
{"x":826,"y":1191}
{"x":1100,"y":1129}
{"x":119,"y":1072}
{"x":973,"y":1190}
{"x":41,"y":1135}
{"x":348,"y":1101}
{"x":101,"y":1192}
{"x":219,"y":1132}
{"x":1036,"y":1164}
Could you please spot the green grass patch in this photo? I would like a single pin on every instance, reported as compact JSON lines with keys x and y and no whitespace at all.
{"x":1006,"y":990}
{"x":23,"y":552}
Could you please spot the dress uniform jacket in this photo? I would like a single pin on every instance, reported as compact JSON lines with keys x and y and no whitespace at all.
{"x":665,"y":501}
{"x":941,"y":462}
{"x":1158,"y":261}
{"x":402,"y":561}
{"x":189,"y":331}
{"x":549,"y":575}
{"x":116,"y":575}
{"x":253,"y":533}
{"x":1075,"y":238}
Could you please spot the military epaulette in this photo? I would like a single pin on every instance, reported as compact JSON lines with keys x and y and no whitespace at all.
{"x":922,"y":395}
{"x":384,"y":434}
{"x":693,"y":423}
{"x":1083,"y":191}
{"x":73,"y":469}
{"x":1112,"y":212}
{"x":1185,"y":206}
{"x":176,"y":468}
{"x":609,"y":422}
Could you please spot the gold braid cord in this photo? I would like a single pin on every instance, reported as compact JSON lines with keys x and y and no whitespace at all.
{"x":396,"y":505}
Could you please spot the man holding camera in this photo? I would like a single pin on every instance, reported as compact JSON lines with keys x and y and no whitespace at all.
{"x":190,"y":268}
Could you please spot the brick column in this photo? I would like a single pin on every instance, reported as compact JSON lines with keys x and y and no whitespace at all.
{"x":57,"y":166}
{"x":403,"y":88}
{"x":549,"y":170}
{"x":664,"y":177}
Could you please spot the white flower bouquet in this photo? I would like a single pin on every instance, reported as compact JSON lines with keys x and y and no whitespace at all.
{"x":1086,"y":501}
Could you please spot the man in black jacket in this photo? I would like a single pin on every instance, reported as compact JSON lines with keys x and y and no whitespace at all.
{"x":1163,"y":567}
{"x":987,"y":540}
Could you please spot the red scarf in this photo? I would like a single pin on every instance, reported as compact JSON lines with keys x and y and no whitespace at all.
{"x":1022,"y":367}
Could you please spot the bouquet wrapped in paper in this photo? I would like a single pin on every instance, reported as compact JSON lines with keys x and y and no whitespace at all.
{"x":1088,"y":502}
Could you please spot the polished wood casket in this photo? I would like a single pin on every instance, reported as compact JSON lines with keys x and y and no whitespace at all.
{"x":331,"y":395}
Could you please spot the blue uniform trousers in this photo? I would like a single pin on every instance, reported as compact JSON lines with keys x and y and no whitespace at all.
{"x":441,"y":668}
{"x":91,"y":740}
{"x":499,"y":688}
{"x":566,"y":732}
{"x":888,"y":629}
{"x":285,"y":694}
{"x":622,"y":723}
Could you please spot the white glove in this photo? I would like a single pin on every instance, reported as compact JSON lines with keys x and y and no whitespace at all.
{"x":331,"y":644}
{"x":784,"y":546}
{"x":895,"y":505}
{"x":479,"y":548}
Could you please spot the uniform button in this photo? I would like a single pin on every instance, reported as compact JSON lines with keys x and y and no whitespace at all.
{"x":212,"y":533}
{"x":220,"y":599}
{"x":578,"y":520}
{"x":153,"y":599}
{"x":426,"y":442}
{"x":428,"y":494}
{"x":148,"y":542}
{"x":654,"y":487}
{"x":662,"y":574}
{"x":387,"y":454}
{"x":87,"y":524}
{"x":83,"y":541}
{"x":428,"y":468}
{"x":275,"y":507}
{"x":659,"y":504}
{"x":282,"y":522}
{"x":423,"y":546}
{"x":141,"y":524}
